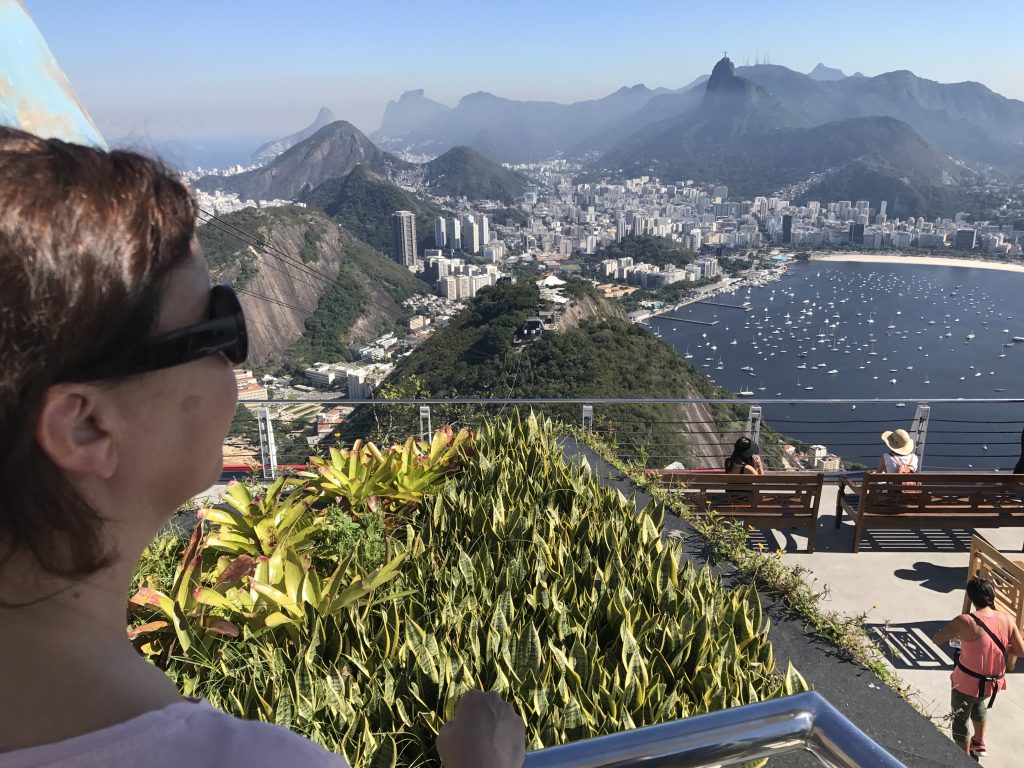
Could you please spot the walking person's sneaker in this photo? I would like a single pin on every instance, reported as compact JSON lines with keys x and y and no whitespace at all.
{"x":977,"y":747}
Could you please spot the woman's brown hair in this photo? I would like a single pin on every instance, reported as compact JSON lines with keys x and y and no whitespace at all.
{"x":87,"y":241}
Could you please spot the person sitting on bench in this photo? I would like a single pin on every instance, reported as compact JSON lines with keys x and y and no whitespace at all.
{"x":900,"y":459}
{"x":745,"y":458}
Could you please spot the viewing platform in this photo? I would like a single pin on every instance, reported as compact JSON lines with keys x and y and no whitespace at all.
{"x":900,"y":588}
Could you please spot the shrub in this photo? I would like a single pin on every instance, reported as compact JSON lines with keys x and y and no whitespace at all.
{"x":525,"y":577}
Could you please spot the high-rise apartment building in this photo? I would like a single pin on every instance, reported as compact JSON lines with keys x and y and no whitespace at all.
{"x":695,"y":240}
{"x":403,"y":238}
{"x":454,"y":233}
{"x":470,"y":235}
{"x":440,"y":232}
{"x":965,"y":239}
{"x":485,"y":231}
{"x":639,"y":225}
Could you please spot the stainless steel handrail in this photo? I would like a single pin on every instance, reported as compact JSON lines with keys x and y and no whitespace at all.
{"x":805,"y":721}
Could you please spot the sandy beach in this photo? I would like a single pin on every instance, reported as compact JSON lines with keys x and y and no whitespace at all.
{"x":934,"y":261}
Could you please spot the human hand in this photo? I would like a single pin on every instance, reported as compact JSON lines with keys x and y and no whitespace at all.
{"x":486,"y":731}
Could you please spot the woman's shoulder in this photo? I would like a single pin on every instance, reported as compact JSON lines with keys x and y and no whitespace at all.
{"x":256,"y":743}
{"x":184,"y":733}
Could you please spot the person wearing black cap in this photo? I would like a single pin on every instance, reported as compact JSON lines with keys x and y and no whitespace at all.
{"x":745,"y":458}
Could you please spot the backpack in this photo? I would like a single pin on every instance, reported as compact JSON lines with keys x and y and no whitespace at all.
{"x":904,"y":468}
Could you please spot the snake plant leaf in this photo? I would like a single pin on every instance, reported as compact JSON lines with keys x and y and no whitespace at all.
{"x":794,"y":681}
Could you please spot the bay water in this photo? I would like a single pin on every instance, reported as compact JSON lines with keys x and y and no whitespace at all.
{"x":852,"y":330}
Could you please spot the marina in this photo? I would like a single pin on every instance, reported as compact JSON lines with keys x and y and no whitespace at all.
{"x":860,"y":330}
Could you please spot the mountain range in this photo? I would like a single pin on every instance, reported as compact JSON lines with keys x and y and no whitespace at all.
{"x":503,"y":129}
{"x":758,"y":129}
{"x":333,"y":151}
{"x":965,"y":120}
{"x":742,"y":135}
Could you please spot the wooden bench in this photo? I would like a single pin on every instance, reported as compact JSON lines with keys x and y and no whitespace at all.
{"x":931,"y":500}
{"x":775,"y":500}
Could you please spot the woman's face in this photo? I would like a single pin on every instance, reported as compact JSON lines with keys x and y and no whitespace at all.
{"x":170,"y":445}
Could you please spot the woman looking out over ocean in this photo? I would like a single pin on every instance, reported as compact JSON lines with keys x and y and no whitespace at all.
{"x":116,"y":392}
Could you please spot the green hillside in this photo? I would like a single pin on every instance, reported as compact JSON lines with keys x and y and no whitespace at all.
{"x":464,"y":172}
{"x":867,"y":181}
{"x":363,"y":201}
{"x":604,"y":356}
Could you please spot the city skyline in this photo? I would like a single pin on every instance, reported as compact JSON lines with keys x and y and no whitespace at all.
{"x":192,"y":70}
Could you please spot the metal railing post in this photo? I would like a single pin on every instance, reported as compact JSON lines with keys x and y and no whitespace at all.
{"x":426,"y":433}
{"x":754,"y":423}
{"x":588,"y":418}
{"x":919,"y":431}
{"x":268,"y":448}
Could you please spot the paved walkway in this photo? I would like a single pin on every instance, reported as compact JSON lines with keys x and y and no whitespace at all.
{"x":909,"y":583}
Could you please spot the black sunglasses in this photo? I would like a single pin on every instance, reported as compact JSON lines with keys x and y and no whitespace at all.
{"x":223,"y":333}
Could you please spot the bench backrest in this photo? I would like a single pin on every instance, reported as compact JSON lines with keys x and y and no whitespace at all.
{"x":938,"y":492}
{"x":793,"y":490}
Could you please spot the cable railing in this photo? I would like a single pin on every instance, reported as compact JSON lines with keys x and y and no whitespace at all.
{"x":805,"y":722}
{"x":691,"y":433}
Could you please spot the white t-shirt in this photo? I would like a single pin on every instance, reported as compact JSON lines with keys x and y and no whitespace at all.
{"x":187,"y":733}
{"x":892,"y":463}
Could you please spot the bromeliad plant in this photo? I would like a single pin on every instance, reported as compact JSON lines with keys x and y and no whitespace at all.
{"x":525,"y":577}
{"x":262,"y":562}
{"x":396,"y":480}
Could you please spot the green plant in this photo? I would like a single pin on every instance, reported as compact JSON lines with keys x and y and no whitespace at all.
{"x":253,"y":572}
{"x":526,"y":577}
{"x":395,"y":480}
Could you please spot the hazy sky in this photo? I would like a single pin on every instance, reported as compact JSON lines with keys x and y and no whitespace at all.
{"x":220,"y":67}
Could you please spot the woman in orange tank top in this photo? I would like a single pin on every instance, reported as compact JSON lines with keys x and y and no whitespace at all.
{"x":985,"y":638}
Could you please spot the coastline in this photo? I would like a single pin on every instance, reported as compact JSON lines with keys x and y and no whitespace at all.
{"x":932,"y":261}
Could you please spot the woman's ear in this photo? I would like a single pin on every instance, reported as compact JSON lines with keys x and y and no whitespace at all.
{"x":75,"y":431}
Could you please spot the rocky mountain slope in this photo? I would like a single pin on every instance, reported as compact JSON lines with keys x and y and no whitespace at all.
{"x":328,"y":287}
